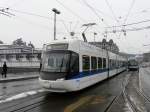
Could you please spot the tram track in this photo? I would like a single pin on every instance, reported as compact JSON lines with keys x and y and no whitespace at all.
{"x":138,"y":93}
{"x":32,"y":103}
{"x":117,"y":97}
{"x":131,"y":96}
{"x":141,"y":91}
{"x":132,"y":105}
{"x":129,"y":102}
{"x":11,"y":106}
{"x":31,"y":106}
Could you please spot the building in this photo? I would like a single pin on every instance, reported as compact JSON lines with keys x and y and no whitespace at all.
{"x":20,"y":56}
{"x":146,"y":57}
{"x":110,"y":45}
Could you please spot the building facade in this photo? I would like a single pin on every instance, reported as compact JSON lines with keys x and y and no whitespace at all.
{"x":146,"y":57}
{"x":108,"y":45}
{"x":19,"y":56}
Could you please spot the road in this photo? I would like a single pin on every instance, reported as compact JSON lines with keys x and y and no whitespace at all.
{"x":121,"y":93}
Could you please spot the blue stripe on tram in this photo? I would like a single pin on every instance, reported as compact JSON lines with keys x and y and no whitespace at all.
{"x":90,"y":73}
{"x":87,"y":73}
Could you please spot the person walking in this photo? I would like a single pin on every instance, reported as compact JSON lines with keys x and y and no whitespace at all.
{"x":4,"y":69}
{"x":2,"y":73}
{"x":40,"y":67}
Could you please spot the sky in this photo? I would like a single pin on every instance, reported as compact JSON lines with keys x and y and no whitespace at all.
{"x":32,"y":20}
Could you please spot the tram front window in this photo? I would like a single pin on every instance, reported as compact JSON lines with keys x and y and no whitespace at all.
{"x":59,"y":65}
{"x":56,"y":62}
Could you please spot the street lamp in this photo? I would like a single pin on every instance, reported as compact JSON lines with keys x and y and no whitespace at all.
{"x":94,"y":35}
{"x":55,"y":12}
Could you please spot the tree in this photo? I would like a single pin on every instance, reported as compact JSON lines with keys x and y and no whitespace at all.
{"x":1,"y":42}
{"x":31,"y":45}
{"x":19,"y":42}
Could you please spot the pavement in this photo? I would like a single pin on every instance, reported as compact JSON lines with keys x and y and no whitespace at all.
{"x":19,"y":76}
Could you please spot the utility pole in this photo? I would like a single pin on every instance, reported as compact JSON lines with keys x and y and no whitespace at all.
{"x":55,"y":12}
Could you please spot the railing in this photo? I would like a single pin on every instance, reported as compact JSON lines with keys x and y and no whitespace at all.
{"x":22,"y":64}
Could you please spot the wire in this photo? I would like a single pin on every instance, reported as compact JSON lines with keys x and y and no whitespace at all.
{"x":71,"y":11}
{"x":133,"y":29}
{"x":75,"y":25}
{"x":28,"y":13}
{"x":65,"y":26}
{"x":16,"y":3}
{"x":129,"y":24}
{"x":32,"y":14}
{"x":93,"y":10}
{"x":111,"y":11}
{"x":132,"y":4}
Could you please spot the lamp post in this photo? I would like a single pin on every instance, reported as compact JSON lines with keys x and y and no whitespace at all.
{"x":55,"y":12}
{"x":94,"y":36}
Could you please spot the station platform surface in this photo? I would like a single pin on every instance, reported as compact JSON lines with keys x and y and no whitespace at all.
{"x":19,"y":76}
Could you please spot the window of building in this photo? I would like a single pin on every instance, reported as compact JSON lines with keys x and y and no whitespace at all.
{"x":99,"y":62}
{"x":85,"y":63}
{"x":93,"y":63}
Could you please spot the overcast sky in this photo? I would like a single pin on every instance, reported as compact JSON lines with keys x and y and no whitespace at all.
{"x":33,"y":21}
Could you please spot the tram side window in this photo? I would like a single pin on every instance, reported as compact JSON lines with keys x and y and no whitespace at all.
{"x":99,"y":62}
{"x":117,"y":63}
{"x":110,"y":63}
{"x":113,"y":63}
{"x":50,"y":62}
{"x":74,"y":63}
{"x":104,"y":62}
{"x":85,"y":63}
{"x":93,"y":63}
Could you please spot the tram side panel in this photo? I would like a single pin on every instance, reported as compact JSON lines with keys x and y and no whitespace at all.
{"x":112,"y":64}
{"x":90,"y":76}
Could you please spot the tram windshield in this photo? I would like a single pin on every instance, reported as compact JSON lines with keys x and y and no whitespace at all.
{"x":56,"y":61}
{"x":133,"y":63}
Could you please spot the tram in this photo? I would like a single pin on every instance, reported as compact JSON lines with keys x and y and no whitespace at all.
{"x":72,"y":65}
{"x":133,"y":65}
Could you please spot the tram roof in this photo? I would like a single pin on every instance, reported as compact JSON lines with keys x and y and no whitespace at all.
{"x":82,"y":44}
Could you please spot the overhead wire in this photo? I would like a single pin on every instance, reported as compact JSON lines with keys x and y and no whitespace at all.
{"x":132,"y":4}
{"x":109,"y":6}
{"x":75,"y":26}
{"x":133,"y":29}
{"x":71,"y":11}
{"x":15,"y":3}
{"x":129,"y":11}
{"x":129,"y":24}
{"x":94,"y":11}
{"x":36,"y":15}
{"x":31,"y":14}
{"x":65,"y":26}
{"x":28,"y":21}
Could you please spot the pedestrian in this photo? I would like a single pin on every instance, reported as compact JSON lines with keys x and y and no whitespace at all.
{"x":40,"y":67}
{"x":4,"y":69}
{"x":2,"y":73}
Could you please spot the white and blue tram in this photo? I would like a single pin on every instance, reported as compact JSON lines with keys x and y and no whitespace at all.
{"x":74,"y":65}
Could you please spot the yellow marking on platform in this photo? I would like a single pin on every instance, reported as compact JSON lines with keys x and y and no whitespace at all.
{"x":98,"y":99}
{"x":79,"y":103}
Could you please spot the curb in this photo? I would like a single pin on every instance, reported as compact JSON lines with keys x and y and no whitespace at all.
{"x":18,"y":79}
